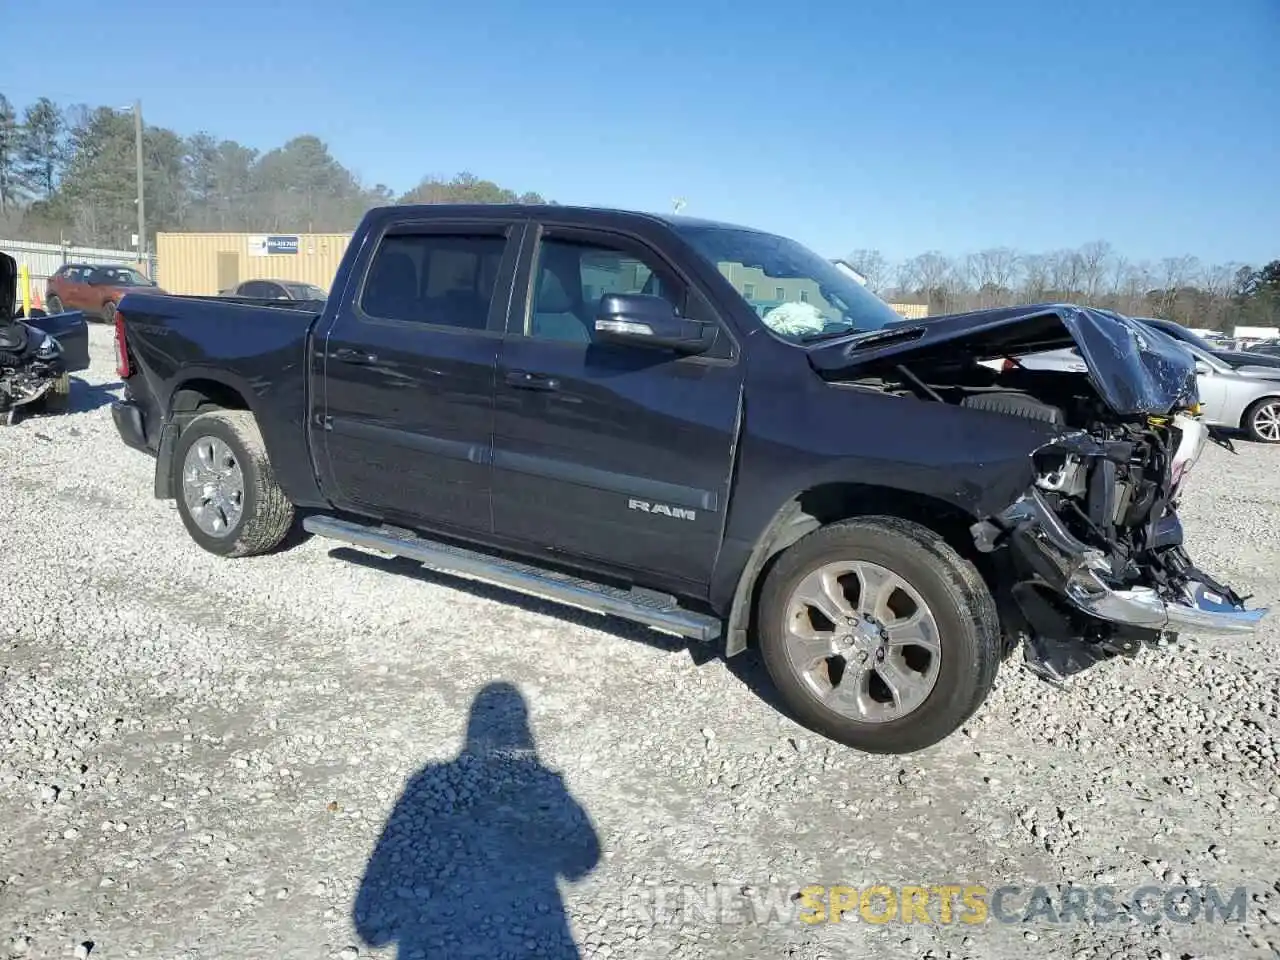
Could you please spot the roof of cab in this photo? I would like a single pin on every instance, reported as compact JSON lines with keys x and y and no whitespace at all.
{"x":429,"y":210}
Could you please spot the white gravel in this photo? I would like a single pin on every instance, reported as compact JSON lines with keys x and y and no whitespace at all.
{"x":198,"y":757}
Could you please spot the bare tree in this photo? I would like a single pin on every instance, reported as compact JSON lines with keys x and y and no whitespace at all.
{"x":1179,"y":288}
{"x":1133,"y":283}
{"x":1174,"y":274}
{"x":872,"y":265}
{"x":924,"y":272}
{"x":1216,"y":281}
{"x":1177,"y":271}
{"x":1035,"y":277}
{"x":993,"y":272}
{"x":1065,"y":269}
{"x":1094,"y":259}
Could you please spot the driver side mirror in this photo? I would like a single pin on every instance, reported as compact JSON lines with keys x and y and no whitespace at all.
{"x":1203,"y":369}
{"x":640,"y":320}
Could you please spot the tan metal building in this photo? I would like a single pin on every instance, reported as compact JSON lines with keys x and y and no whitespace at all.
{"x":206,"y":263}
{"x":911,"y":311}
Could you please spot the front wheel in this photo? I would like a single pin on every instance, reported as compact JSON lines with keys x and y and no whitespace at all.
{"x":1262,"y":420}
{"x":228,"y":497}
{"x":878,"y":634}
{"x":109,"y":312}
{"x":55,"y":305}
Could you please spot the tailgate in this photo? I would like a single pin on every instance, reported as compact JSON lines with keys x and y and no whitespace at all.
{"x":72,"y":332}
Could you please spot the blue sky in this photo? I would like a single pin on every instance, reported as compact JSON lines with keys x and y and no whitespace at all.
{"x":903,"y":125}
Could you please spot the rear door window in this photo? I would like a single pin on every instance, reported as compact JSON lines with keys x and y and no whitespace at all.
{"x":434,"y":278}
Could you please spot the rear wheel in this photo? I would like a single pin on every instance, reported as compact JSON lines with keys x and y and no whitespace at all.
{"x":878,"y":634}
{"x":228,"y":497}
{"x":1262,"y":420}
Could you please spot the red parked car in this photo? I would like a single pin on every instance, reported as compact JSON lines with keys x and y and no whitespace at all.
{"x":95,"y":288}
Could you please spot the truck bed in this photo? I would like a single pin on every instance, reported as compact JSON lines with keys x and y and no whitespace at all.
{"x":257,"y":349}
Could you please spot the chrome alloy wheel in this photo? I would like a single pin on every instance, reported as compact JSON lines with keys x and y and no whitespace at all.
{"x":863,"y":641}
{"x":1266,"y":421}
{"x":213,"y":486}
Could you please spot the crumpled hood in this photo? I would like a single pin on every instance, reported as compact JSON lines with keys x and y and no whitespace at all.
{"x":1134,"y":370}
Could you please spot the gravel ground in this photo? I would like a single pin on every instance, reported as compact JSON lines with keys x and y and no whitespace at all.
{"x":326,"y":754}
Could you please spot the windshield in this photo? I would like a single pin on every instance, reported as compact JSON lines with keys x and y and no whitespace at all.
{"x":305,"y":291}
{"x":120,"y":277}
{"x":798,"y":295}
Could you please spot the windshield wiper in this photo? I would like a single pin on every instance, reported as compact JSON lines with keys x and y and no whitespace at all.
{"x":869,"y":338}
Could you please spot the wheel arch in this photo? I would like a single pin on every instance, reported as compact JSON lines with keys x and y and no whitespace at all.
{"x":827,"y":503}
{"x":199,"y":393}
{"x":1253,"y":405}
{"x":193,"y":394}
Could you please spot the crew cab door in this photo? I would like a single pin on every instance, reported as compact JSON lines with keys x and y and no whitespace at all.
{"x":408,"y":366}
{"x":616,"y":456}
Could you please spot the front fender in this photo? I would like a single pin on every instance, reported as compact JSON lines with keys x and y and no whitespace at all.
{"x":972,"y":463}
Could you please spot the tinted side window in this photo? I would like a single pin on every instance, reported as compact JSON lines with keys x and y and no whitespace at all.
{"x":435,"y":278}
{"x":570,"y":277}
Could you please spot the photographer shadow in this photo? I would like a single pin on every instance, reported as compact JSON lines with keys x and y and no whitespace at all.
{"x":468,"y":862}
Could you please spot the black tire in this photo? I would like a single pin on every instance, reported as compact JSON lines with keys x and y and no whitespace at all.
{"x":965,"y":613}
{"x":58,"y":399}
{"x":55,"y":304}
{"x":1257,"y":410}
{"x":266,"y":516}
{"x":109,"y":312}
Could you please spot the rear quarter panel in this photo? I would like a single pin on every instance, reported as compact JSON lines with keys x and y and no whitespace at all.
{"x":260,"y":352}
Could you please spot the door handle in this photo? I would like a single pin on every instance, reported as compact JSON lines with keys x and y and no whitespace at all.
{"x":525,"y":380}
{"x":347,"y":355}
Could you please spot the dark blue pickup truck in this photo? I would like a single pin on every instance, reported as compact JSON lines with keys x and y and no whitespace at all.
{"x":586,"y":405}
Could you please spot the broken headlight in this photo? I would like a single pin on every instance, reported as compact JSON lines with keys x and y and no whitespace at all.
{"x":48,"y":349}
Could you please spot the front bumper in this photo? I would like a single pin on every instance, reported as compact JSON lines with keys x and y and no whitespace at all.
{"x":1079,"y":572}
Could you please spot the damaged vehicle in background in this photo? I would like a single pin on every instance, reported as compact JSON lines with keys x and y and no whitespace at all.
{"x":595,"y":407}
{"x":37,"y":354}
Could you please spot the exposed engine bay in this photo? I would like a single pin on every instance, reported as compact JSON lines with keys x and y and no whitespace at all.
{"x":33,"y":368}
{"x":1110,"y":485}
{"x":1089,"y":562}
{"x":32,"y":372}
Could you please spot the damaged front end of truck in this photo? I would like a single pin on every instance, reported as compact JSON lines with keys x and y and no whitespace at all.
{"x":1090,"y":560}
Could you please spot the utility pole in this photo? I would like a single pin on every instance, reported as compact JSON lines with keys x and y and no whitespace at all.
{"x":142,"y":207}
